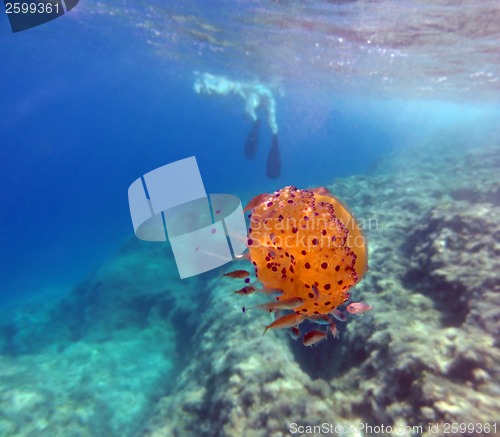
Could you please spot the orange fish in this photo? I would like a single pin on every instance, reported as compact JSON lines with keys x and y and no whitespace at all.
{"x":315,"y":291}
{"x":334,"y":330}
{"x":339,"y":315}
{"x":286,"y":321}
{"x":358,"y":307}
{"x":237,"y":274}
{"x":263,"y":290}
{"x":322,"y":319}
{"x":295,"y":332}
{"x":313,"y":337}
{"x":255,"y":201}
{"x":285,"y":304}
{"x":249,"y":289}
{"x":322,"y":191}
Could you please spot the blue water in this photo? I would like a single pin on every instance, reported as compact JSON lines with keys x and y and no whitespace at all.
{"x":86,"y":110}
{"x":93,"y":100}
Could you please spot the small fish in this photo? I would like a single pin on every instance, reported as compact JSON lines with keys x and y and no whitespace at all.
{"x":334,"y":330}
{"x":321,"y":319}
{"x":269,"y":290}
{"x":313,"y":337}
{"x":286,"y":321}
{"x":322,"y":191}
{"x":294,"y":332}
{"x":249,"y":289}
{"x":268,"y":213}
{"x":245,"y":255}
{"x":237,"y":274}
{"x":358,"y":307}
{"x":315,"y":291}
{"x":339,"y":315}
{"x":285,"y":304}
{"x":255,"y":201}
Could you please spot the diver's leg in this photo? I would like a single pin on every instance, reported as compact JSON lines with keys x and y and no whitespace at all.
{"x":252,"y":142}
{"x":274,"y":159}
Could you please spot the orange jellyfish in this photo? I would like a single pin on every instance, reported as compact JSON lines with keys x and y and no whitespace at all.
{"x":306,"y":244}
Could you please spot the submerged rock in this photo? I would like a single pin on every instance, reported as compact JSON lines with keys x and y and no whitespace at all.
{"x":427,"y":354}
{"x":455,"y":256}
{"x":92,"y":363}
{"x":240,"y":383}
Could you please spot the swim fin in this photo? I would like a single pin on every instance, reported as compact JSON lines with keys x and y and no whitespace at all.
{"x":274,"y":159}
{"x":252,"y":143}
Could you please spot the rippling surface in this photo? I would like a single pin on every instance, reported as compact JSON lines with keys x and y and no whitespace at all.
{"x":438,"y":49}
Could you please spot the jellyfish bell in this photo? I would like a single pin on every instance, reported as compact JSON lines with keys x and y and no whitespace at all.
{"x":308,"y":245}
